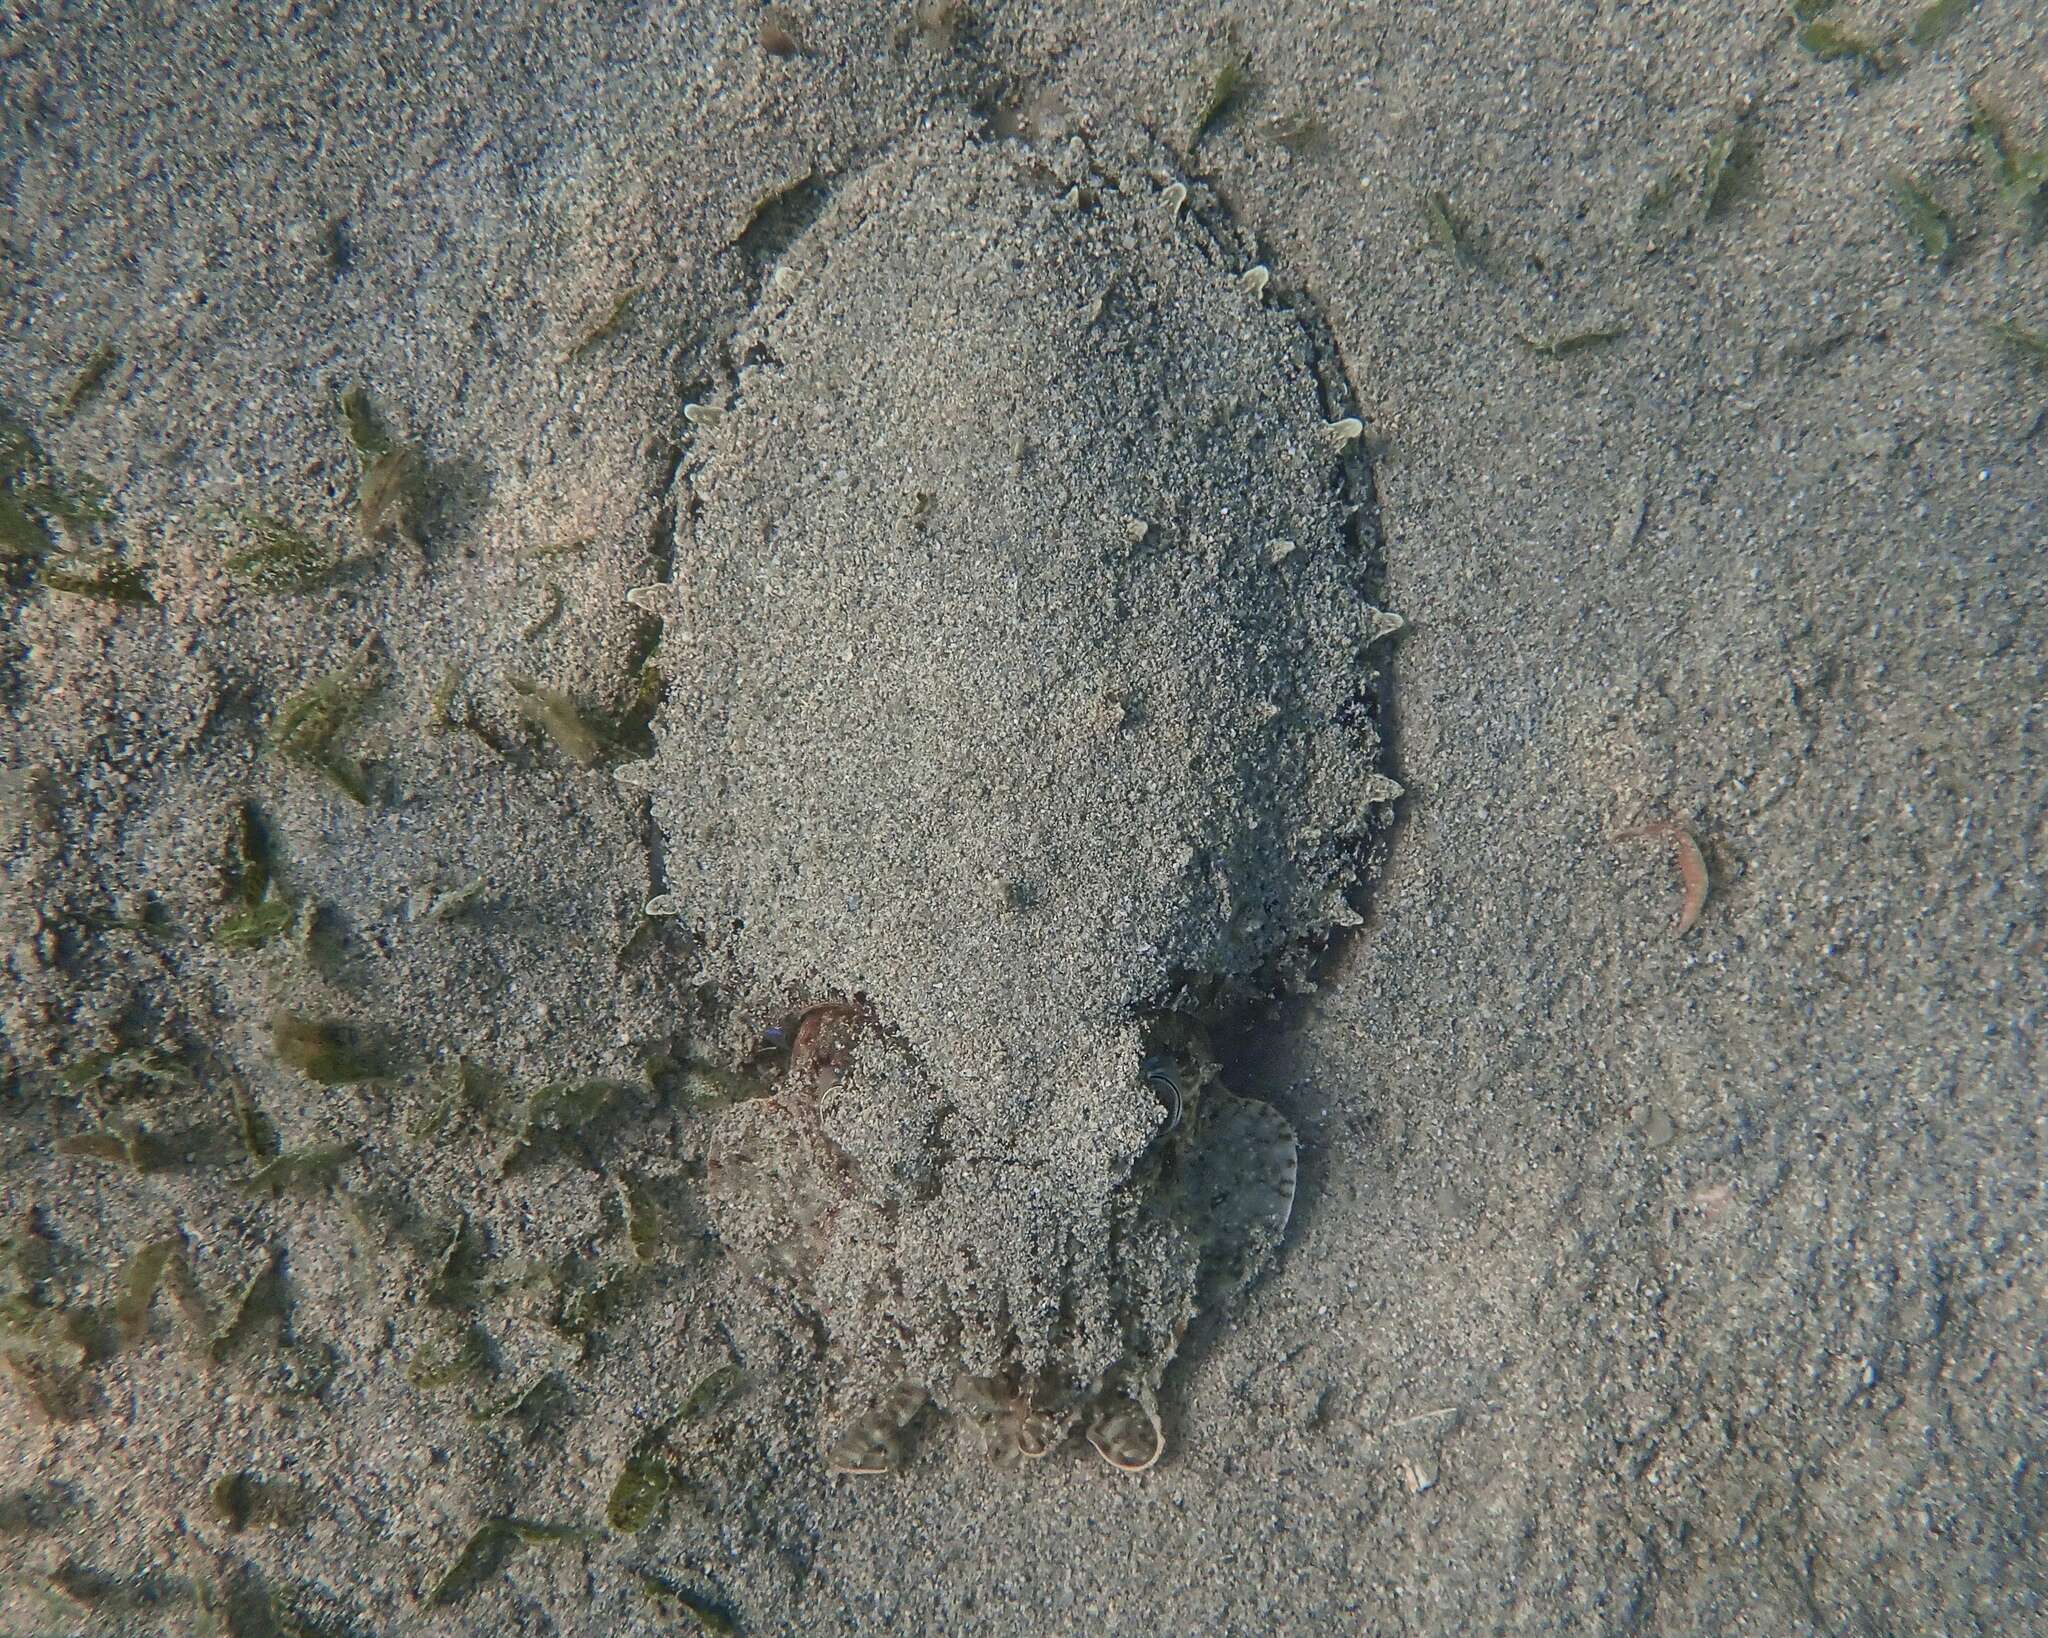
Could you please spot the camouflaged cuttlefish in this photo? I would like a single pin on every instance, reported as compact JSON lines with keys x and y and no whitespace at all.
{"x":1020,"y":716}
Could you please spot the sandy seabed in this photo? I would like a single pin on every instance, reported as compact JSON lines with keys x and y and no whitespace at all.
{"x":1635,"y":1282}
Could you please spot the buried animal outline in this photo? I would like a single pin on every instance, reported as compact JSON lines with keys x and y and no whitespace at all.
{"x":1019,"y":719}
{"x":1193,"y":1214}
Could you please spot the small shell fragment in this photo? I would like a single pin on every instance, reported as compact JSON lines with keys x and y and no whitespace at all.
{"x":1345,"y":431}
{"x":1255,"y":279}
{"x":1418,"y":1476}
{"x":703,"y":415}
{"x":785,"y":279}
{"x":662,"y":904}
{"x":635,"y":776}
{"x":1381,"y":625}
{"x":658,"y":598}
{"x":1175,"y":195}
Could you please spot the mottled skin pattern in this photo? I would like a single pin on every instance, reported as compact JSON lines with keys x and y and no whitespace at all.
{"x":1198,"y":1214}
{"x":1018,"y":710}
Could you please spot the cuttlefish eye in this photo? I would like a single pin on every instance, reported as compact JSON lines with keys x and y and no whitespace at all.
{"x":1164,"y":1080}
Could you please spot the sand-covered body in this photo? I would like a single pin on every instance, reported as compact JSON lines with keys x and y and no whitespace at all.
{"x":1019,"y":707}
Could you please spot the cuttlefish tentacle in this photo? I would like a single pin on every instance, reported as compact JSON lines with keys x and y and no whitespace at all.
{"x":1124,"y":1428}
{"x":1014,"y":1427}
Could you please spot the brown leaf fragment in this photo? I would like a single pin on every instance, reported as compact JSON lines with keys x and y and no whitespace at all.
{"x":137,"y":1285}
{"x":187,"y":1297}
{"x":643,"y":1221}
{"x":246,"y":857}
{"x":1926,"y":223}
{"x":322,"y":1049}
{"x":243,"y":1498}
{"x":367,"y":434}
{"x":1830,"y":41}
{"x":558,"y":1111}
{"x":490,"y":1548}
{"x":2030,"y":345}
{"x":779,"y":36}
{"x":712,"y":1390}
{"x":308,"y":725}
{"x":590,"y":1295}
{"x":26,"y":1512}
{"x":390,"y":494}
{"x":1934,"y":20}
{"x":463,"y":1357}
{"x":607,"y":323}
{"x":535,"y":1406}
{"x":641,"y":1488}
{"x":92,"y":375}
{"x":2018,"y":175}
{"x":1446,"y":232}
{"x":256,"y":926}
{"x":57,"y":1393}
{"x":1692,"y":866}
{"x":938,"y":22}
{"x":130,"y":1144}
{"x":1565,"y":343}
{"x":94,"y":1146}
{"x":457,"y":1279}
{"x":1299,"y":133}
{"x":270,"y":555}
{"x":100,"y":579}
{"x":24,"y":535}
{"x":679,"y":1604}
{"x":260,"y":1301}
{"x":393,"y":483}
{"x":1217,"y":84}
{"x":299,"y":1171}
{"x":62,"y":1337}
